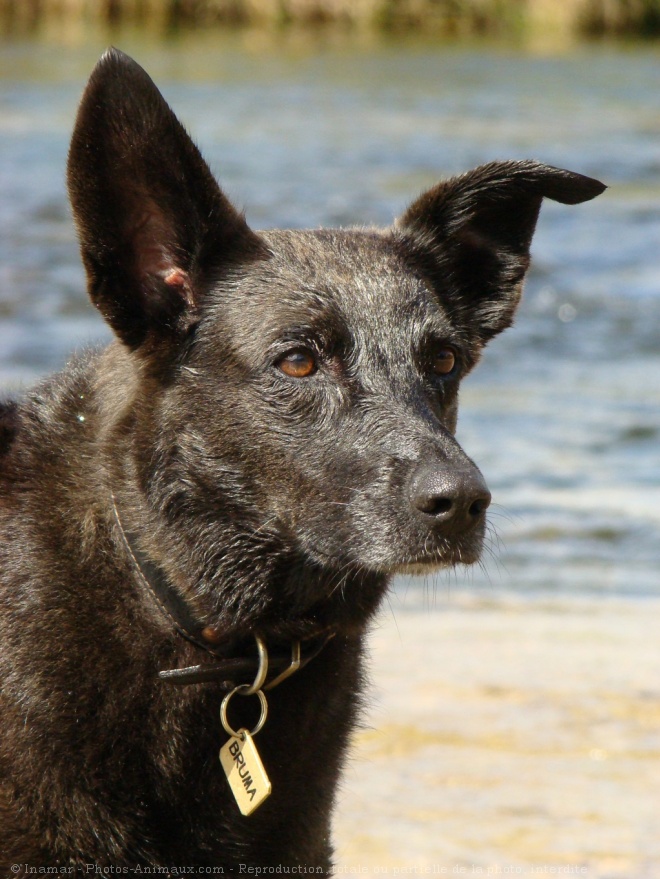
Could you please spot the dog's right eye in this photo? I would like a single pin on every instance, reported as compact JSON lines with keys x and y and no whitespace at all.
{"x":299,"y":363}
{"x":444,"y":361}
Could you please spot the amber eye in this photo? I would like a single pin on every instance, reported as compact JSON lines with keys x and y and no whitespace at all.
{"x":298,"y":364}
{"x":444,"y":361}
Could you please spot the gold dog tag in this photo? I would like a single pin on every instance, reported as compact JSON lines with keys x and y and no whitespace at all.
{"x":245,"y":772}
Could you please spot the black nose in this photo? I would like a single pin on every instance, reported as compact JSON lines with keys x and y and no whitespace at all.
{"x":459,"y":497}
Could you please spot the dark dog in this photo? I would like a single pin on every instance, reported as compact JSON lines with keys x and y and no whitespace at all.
{"x":267,"y":442}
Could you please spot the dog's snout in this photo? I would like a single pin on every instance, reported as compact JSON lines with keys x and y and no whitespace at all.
{"x":456,"y":496}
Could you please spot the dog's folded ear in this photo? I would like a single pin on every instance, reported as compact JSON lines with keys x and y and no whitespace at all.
{"x":153,"y":222}
{"x":472,"y":234}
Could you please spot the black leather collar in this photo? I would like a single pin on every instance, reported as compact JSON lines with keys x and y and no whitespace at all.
{"x":229,"y":672}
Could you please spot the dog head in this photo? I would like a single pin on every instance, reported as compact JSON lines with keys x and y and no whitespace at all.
{"x":295,"y":393}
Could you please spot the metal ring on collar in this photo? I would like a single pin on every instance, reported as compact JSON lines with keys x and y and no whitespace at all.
{"x":225,"y":704}
{"x":262,"y":673}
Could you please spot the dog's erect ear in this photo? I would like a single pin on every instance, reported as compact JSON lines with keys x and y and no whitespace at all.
{"x":473,"y":234}
{"x":153,"y":223}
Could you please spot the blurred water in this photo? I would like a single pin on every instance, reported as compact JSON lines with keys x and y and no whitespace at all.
{"x":563,"y":416}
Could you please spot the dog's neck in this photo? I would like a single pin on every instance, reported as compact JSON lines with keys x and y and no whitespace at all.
{"x":234,"y":664}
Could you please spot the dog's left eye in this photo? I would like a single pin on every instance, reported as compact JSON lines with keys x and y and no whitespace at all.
{"x":299,"y":363}
{"x":444,"y":361}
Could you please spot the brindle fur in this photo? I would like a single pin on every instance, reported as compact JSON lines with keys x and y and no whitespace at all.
{"x":273,"y":504}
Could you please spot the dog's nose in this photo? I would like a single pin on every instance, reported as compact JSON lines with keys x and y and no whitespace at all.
{"x":459,"y":497}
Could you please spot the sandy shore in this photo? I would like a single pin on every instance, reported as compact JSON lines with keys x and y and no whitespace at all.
{"x":508,"y":737}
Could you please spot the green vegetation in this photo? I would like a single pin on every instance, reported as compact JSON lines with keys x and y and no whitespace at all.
{"x":449,"y":17}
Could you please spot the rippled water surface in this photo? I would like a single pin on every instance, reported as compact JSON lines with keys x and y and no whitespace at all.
{"x":564,"y":413}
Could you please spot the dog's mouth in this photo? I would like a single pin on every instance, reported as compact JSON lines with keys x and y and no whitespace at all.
{"x":466,"y":553}
{"x":389,"y":560}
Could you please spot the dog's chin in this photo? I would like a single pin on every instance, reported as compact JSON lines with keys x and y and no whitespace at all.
{"x":421,"y":569}
{"x":413,"y":565}
{"x":429,"y":565}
